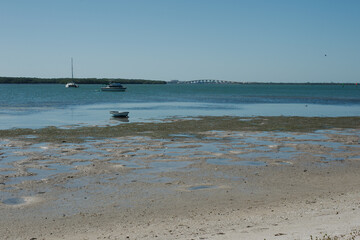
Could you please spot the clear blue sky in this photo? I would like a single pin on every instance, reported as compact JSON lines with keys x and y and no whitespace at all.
{"x":235,"y":40}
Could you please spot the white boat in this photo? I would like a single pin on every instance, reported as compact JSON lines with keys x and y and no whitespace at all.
{"x":114,"y":87}
{"x":119,"y":114}
{"x":72,"y":84}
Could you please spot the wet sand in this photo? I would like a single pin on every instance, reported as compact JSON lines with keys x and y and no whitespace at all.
{"x":204,"y":184}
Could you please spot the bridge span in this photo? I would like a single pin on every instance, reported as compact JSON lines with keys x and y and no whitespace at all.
{"x":204,"y":81}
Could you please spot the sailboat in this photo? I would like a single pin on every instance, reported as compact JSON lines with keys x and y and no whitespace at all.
{"x":72,"y":84}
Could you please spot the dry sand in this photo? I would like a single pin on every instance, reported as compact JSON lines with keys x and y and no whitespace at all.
{"x":227,"y":185}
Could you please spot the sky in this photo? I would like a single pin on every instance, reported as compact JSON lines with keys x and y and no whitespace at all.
{"x":233,"y":40}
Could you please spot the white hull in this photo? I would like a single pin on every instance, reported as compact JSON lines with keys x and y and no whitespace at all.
{"x":71,"y":85}
{"x":114,"y":87}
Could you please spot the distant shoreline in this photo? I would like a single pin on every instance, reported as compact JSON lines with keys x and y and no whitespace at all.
{"x":33,"y":80}
{"x":29,"y":80}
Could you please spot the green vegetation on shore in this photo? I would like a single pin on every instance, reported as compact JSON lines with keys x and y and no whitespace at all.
{"x":28,"y":80}
{"x":184,"y":126}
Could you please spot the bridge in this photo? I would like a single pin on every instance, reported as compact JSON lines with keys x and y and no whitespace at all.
{"x":206,"y":81}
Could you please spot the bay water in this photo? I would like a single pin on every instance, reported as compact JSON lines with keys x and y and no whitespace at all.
{"x":41,"y":105}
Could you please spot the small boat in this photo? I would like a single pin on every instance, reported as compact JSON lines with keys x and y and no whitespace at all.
{"x":114,"y":87}
{"x":71,"y":85}
{"x":119,"y":114}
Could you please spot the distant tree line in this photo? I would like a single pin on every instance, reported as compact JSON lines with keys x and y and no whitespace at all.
{"x":29,"y":80}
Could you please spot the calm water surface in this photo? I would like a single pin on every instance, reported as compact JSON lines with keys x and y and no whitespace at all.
{"x":40,"y":105}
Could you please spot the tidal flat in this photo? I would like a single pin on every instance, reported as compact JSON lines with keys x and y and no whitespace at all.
{"x":167,"y":127}
{"x":193,"y":178}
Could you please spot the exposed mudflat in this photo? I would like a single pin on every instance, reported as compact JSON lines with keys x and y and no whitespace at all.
{"x":192,"y":181}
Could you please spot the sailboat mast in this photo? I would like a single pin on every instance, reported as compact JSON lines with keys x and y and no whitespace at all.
{"x":72,"y":68}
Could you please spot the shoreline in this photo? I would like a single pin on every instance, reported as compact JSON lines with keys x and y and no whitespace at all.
{"x":92,"y":80}
{"x":203,"y":178}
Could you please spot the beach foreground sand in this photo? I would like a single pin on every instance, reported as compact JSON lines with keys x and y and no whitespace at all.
{"x":213,"y":184}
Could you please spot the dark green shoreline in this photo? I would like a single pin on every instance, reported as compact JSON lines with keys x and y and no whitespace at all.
{"x":29,"y":80}
{"x":195,"y":126}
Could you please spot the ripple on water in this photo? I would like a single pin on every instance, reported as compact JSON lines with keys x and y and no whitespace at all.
{"x":30,"y":136}
{"x":7,"y":172}
{"x":201,"y":187}
{"x":4,"y":165}
{"x":129,"y":164}
{"x":83,"y":156}
{"x":39,"y":174}
{"x":169,"y":166}
{"x":13,"y":201}
{"x":211,"y":147}
{"x":304,"y":137}
{"x":182,"y":135}
{"x":329,"y":158}
{"x":354,"y":157}
{"x":10,"y":158}
{"x":85,"y":163}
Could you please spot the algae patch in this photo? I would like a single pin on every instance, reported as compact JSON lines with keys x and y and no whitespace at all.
{"x":183,"y":127}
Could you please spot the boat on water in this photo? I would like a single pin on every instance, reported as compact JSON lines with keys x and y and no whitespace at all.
{"x":72,"y":84}
{"x":119,"y":114}
{"x":114,"y":87}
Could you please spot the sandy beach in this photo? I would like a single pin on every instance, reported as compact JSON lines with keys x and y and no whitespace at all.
{"x":198,"y":180}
